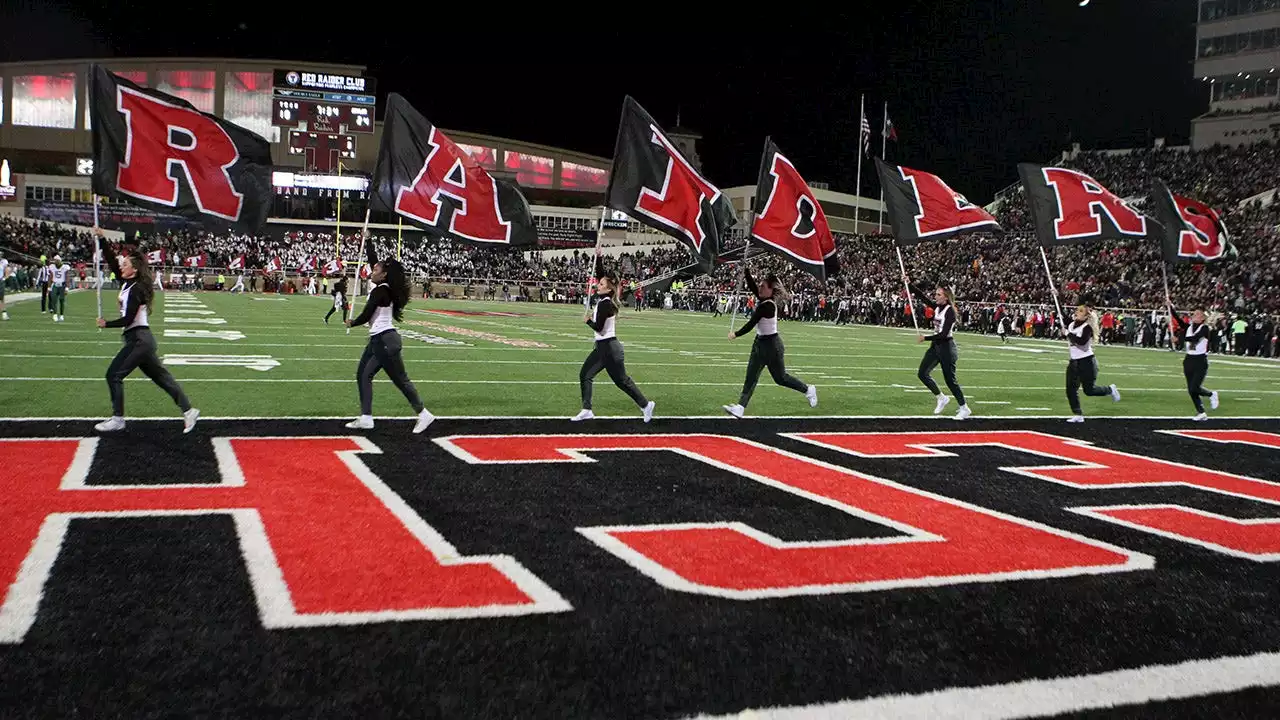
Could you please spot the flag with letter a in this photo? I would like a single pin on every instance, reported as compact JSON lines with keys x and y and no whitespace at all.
{"x":159,"y":152}
{"x":1068,"y":207}
{"x":425,"y":178}
{"x":789,"y":222}
{"x":1191,"y":231}
{"x":922,"y":207}
{"x":655,"y":184}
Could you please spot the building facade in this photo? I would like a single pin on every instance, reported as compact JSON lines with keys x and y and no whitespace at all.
{"x":1237,"y":57}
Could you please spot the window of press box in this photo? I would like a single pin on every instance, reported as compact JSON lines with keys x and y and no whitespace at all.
{"x":582,"y":177}
{"x":485,"y":157}
{"x":47,"y":101}
{"x":246,"y":101}
{"x":194,"y":86}
{"x":530,"y":170}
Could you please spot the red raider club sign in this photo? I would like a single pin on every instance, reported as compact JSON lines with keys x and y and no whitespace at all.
{"x":923,"y":207}
{"x":789,"y":221}
{"x":158,"y":152}
{"x":1070,"y":207}
{"x":423,"y":177}
{"x":653,"y":183}
{"x":1192,"y":231}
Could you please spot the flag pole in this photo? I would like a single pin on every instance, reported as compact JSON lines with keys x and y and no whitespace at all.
{"x":364,"y":237}
{"x":742,"y":285}
{"x":399,"y":238}
{"x":1168,"y":299}
{"x":97,"y":255}
{"x":595,"y":254}
{"x":907,"y":285}
{"x":337,"y":240}
{"x":884,"y":155}
{"x":857,"y":193}
{"x":1053,"y":290}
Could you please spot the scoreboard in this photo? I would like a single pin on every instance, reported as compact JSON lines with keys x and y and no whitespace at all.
{"x":327,"y":103}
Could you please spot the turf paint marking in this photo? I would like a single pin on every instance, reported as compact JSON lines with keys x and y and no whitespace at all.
{"x":1089,"y":467}
{"x":324,"y":540}
{"x":261,"y":363}
{"x":1050,"y":696}
{"x":943,"y":541}
{"x":203,"y":334}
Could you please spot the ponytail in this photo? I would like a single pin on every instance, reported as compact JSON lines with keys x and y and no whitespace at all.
{"x":1093,"y":323}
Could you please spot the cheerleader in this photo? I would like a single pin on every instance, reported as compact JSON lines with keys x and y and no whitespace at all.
{"x":239,"y":283}
{"x":139,"y":351}
{"x":339,"y":300}
{"x":607,"y":353}
{"x":766,"y":350}
{"x":942,"y":351}
{"x":1195,"y":364}
{"x":1083,"y":367}
{"x":1004,"y":328}
{"x":386,"y":303}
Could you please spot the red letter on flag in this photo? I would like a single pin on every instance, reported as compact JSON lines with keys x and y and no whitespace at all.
{"x":942,"y":209}
{"x":325,"y":541}
{"x":162,"y":136}
{"x":679,"y":204}
{"x":450,"y":172}
{"x":1081,"y":198}
{"x":943,"y":541}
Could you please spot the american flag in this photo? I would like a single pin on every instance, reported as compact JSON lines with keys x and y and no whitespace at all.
{"x":865,"y":135}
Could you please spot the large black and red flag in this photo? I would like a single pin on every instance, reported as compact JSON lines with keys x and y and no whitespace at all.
{"x":922,"y":207}
{"x":789,"y":222}
{"x":1068,"y":206}
{"x":159,"y":152}
{"x":653,"y":183}
{"x":428,"y":180}
{"x":1190,"y":230}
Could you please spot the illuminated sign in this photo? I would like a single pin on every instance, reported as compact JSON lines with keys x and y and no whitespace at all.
{"x":7,"y":191}
{"x":84,"y":166}
{"x":324,"y":81}
{"x":352,"y":183}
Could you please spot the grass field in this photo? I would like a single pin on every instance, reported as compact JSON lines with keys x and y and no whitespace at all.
{"x":469,"y":364}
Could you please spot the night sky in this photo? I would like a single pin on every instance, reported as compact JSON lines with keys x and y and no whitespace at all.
{"x":972,"y":90}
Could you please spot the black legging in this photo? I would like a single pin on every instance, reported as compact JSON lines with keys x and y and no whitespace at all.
{"x":607,"y":355}
{"x":139,"y":351}
{"x":767,"y":351}
{"x":383,"y":353}
{"x":1083,"y":372}
{"x":1195,"y":367}
{"x":944,"y":354}
{"x":333,"y":308}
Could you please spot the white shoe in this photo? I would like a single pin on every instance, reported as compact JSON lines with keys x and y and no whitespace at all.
{"x":55,"y":318}
{"x":1201,"y":417}
{"x":111,"y":424}
{"x":364,"y":422}
{"x":648,"y":411}
{"x":1115,"y":394}
{"x":62,"y":318}
{"x":735,"y":410}
{"x":812,"y":394}
{"x":4,"y":315}
{"x":942,"y":402}
{"x":584,"y":415}
{"x":425,"y":418}
{"x":1075,"y":419}
{"x":963,"y":412}
{"x":1213,"y":400}
{"x":189,"y":419}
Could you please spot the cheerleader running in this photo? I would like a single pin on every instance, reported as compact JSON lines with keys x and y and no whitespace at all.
{"x":1195,"y":365}
{"x":139,"y":351}
{"x":386,"y":303}
{"x":942,"y":351}
{"x":607,"y":354}
{"x":1083,"y":367}
{"x":766,"y":350}
{"x":339,"y":300}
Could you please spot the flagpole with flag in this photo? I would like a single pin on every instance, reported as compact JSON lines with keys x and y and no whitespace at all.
{"x":864,"y":137}
{"x":97,"y":255}
{"x":884,"y":150}
{"x":364,"y":238}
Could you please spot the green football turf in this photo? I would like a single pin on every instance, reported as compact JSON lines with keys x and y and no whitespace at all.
{"x":681,"y":360}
